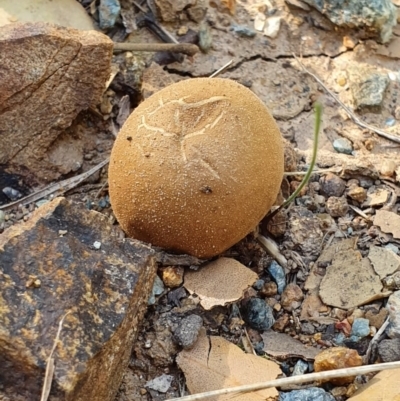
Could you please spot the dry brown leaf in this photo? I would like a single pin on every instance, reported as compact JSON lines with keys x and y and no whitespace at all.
{"x":280,"y":345}
{"x":384,"y":261}
{"x":385,"y":386}
{"x":219,"y":282}
{"x":389,"y":222}
{"x":215,"y":363}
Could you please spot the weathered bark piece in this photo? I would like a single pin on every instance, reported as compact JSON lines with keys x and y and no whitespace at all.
{"x":48,"y":74}
{"x":66,"y":258}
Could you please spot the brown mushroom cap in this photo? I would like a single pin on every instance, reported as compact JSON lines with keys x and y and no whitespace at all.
{"x":196,"y":166}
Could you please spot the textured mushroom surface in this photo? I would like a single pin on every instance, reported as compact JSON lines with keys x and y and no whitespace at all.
{"x":196,"y":166}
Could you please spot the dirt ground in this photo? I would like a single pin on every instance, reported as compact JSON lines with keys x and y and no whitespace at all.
{"x":268,"y":66}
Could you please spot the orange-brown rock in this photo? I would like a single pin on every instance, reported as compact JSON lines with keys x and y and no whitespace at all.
{"x":337,"y":358}
{"x":68,"y":259}
{"x":48,"y":75}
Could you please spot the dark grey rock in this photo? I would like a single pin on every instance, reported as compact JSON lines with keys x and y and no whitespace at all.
{"x":389,"y":350}
{"x":377,"y":16}
{"x":309,"y":394}
{"x":367,"y":86}
{"x":188,"y":330}
{"x":332,"y":185}
{"x":257,"y":314}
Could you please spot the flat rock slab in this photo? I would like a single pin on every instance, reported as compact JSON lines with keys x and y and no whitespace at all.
{"x":69,"y":259}
{"x":48,"y":74}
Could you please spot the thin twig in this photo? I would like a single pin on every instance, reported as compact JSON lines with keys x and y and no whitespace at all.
{"x":375,"y":339}
{"x":331,"y":374}
{"x":221,"y":70}
{"x":360,"y":212}
{"x":323,"y":171}
{"x":270,"y":246}
{"x":185,"y":48}
{"x":355,"y":119}
{"x":48,"y":377}
{"x":59,"y":187}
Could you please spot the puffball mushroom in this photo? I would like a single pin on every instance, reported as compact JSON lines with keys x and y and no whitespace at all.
{"x":196,"y":166}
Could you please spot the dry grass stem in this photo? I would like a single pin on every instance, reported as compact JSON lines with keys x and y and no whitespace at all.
{"x":185,"y":48}
{"x":48,"y":377}
{"x":331,"y":374}
{"x":347,"y":109}
{"x":270,"y":246}
{"x":59,"y":188}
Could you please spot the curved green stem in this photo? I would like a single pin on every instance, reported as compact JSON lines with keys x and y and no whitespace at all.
{"x":317,"y":126}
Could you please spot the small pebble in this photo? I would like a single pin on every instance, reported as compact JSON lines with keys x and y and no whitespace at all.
{"x":393,"y":306}
{"x":277,"y":273}
{"x":161,"y":383}
{"x":259,"y":284}
{"x":392,"y":247}
{"x":257,"y":314}
{"x":388,"y":168}
{"x":2,"y":217}
{"x":172,"y":276}
{"x":332,"y":185}
{"x":292,"y":297}
{"x":357,"y":193}
{"x":109,"y":11}
{"x":269,"y":289}
{"x":41,"y":202}
{"x":337,"y":358}
{"x":309,"y":394}
{"x":188,"y":330}
{"x":337,"y":207}
{"x":11,"y":193}
{"x":389,"y":350}
{"x":343,"y":145}
{"x":158,"y":289}
{"x":96,"y":244}
{"x":300,"y":368}
{"x":62,"y":232}
{"x":243,"y":31}
{"x":390,"y":122}
{"x":360,"y":327}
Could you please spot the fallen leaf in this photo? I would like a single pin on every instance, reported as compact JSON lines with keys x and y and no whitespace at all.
{"x":219,"y":282}
{"x":385,"y":386}
{"x":282,"y":346}
{"x":350,"y":281}
{"x":389,"y":222}
{"x":61,"y":12}
{"x":214,"y":363}
{"x":384,"y":261}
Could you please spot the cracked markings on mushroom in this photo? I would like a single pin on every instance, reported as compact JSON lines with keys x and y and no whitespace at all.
{"x":183,"y":134}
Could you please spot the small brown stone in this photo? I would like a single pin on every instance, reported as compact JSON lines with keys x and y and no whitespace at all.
{"x":269,"y":289}
{"x":337,"y":207}
{"x":292,"y":296}
{"x":281,"y":323}
{"x":388,"y":168}
{"x":105,"y":292}
{"x":337,"y":358}
{"x":377,"y":319}
{"x":172,"y":276}
{"x":357,"y":193}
